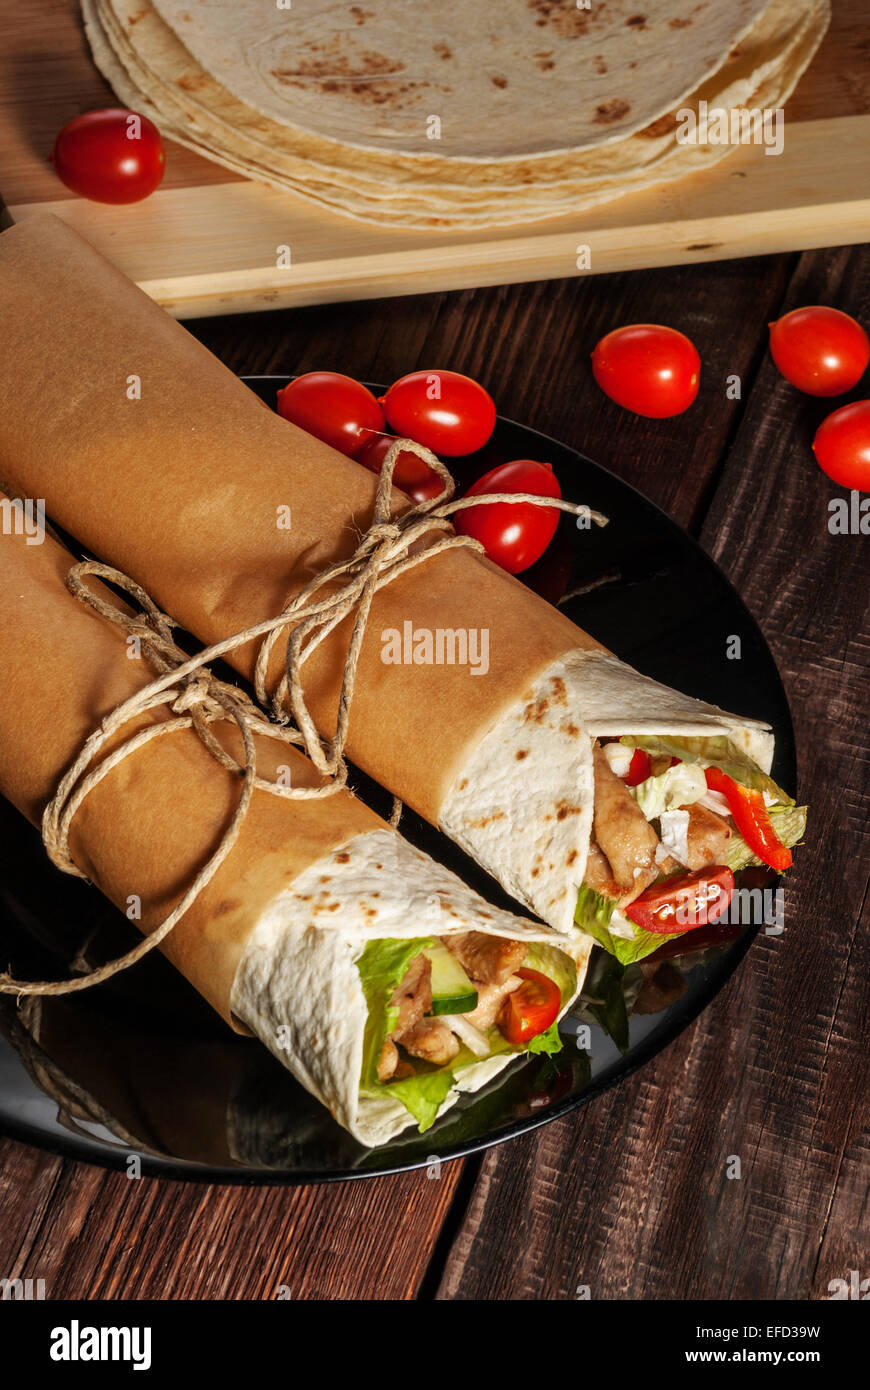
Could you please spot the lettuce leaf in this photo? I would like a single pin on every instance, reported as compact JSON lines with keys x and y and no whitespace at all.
{"x":547,"y":1042}
{"x":593,"y":915}
{"x":718,"y":751}
{"x":677,"y":786}
{"x":562,"y":970}
{"x":423,"y":1094}
{"x":789,"y":822}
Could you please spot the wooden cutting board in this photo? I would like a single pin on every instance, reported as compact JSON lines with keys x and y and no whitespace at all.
{"x":207,"y":241}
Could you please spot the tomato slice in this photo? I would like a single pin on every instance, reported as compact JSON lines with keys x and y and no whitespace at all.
{"x":682,"y":903}
{"x":530,"y":1009}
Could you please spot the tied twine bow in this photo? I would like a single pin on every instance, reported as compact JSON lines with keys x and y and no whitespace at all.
{"x":195,"y":698}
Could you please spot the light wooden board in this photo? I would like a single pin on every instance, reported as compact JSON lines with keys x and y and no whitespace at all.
{"x":207,"y":242}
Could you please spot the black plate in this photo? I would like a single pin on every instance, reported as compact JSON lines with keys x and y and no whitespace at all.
{"x":142,"y":1066}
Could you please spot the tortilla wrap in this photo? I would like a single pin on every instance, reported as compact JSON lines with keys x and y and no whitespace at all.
{"x":526,"y":77}
{"x":272,"y":939}
{"x":180,"y":489}
{"x":152,"y":71}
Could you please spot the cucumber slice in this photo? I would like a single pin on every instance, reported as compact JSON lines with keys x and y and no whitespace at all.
{"x":452,"y":991}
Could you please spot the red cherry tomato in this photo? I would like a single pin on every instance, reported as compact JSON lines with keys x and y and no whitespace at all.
{"x":842,"y":446}
{"x":530,"y":1009}
{"x":652,"y":370}
{"x":446,"y":411}
{"x":110,"y":156}
{"x":819,"y":350}
{"x":333,"y":408}
{"x":411,"y":474}
{"x":514,"y":534}
{"x":681,"y":903}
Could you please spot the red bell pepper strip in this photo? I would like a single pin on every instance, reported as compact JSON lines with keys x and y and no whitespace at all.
{"x":751,"y":818}
{"x":639,"y":768}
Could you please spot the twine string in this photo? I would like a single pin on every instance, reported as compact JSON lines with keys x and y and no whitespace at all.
{"x":192,"y":697}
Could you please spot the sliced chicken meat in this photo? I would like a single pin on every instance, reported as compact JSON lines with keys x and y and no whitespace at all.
{"x":413,"y":995}
{"x":487,"y":959}
{"x":431,"y":1040}
{"x":621,"y":830}
{"x":489,"y":1000}
{"x":707,"y":837}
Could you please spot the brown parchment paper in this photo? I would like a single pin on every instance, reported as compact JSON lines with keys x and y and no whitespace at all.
{"x":155,"y":819}
{"x":181,"y":488}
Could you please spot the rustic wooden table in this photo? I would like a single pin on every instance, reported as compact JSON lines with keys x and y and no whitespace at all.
{"x":629,"y":1195}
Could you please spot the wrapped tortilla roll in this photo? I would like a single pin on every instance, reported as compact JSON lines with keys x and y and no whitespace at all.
{"x":181,"y":487}
{"x":308,"y":927}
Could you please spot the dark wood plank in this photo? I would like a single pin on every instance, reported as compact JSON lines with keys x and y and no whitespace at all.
{"x":631,"y":1197}
{"x":94,"y":1234}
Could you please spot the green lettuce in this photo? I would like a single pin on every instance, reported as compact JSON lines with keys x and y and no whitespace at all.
{"x":547,"y":1042}
{"x":789,"y":822}
{"x":718,"y":751}
{"x":593,"y":915}
{"x":549,"y":960}
{"x":677,"y":786}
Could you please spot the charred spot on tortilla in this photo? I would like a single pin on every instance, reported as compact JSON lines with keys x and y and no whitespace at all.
{"x":545,"y":60}
{"x":343,"y":857}
{"x":193,"y":82}
{"x":521,"y":753}
{"x":499,"y":81}
{"x":134,"y":18}
{"x":677,"y":23}
{"x":228,"y":905}
{"x":663,"y":126}
{"x":609,"y":112}
{"x":443,"y":50}
{"x":600,"y":65}
{"x":571,"y":857}
{"x":569,"y":22}
{"x":563,"y":810}
{"x":637,"y":21}
{"x":361,"y":15}
{"x":536,"y":711}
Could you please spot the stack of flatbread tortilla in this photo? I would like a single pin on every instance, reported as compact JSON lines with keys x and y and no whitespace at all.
{"x":420,"y":115}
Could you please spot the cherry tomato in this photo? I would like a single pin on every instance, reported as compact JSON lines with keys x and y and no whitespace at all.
{"x":514,"y":534}
{"x":411,"y":474}
{"x":819,"y":350}
{"x":110,"y":156}
{"x":652,"y":370}
{"x":530,"y":1009}
{"x":842,"y":446}
{"x":333,"y":408}
{"x":686,"y":901}
{"x":446,"y":411}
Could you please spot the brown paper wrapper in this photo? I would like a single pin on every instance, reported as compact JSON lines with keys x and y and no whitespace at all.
{"x":181,"y":487}
{"x":158,"y":816}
